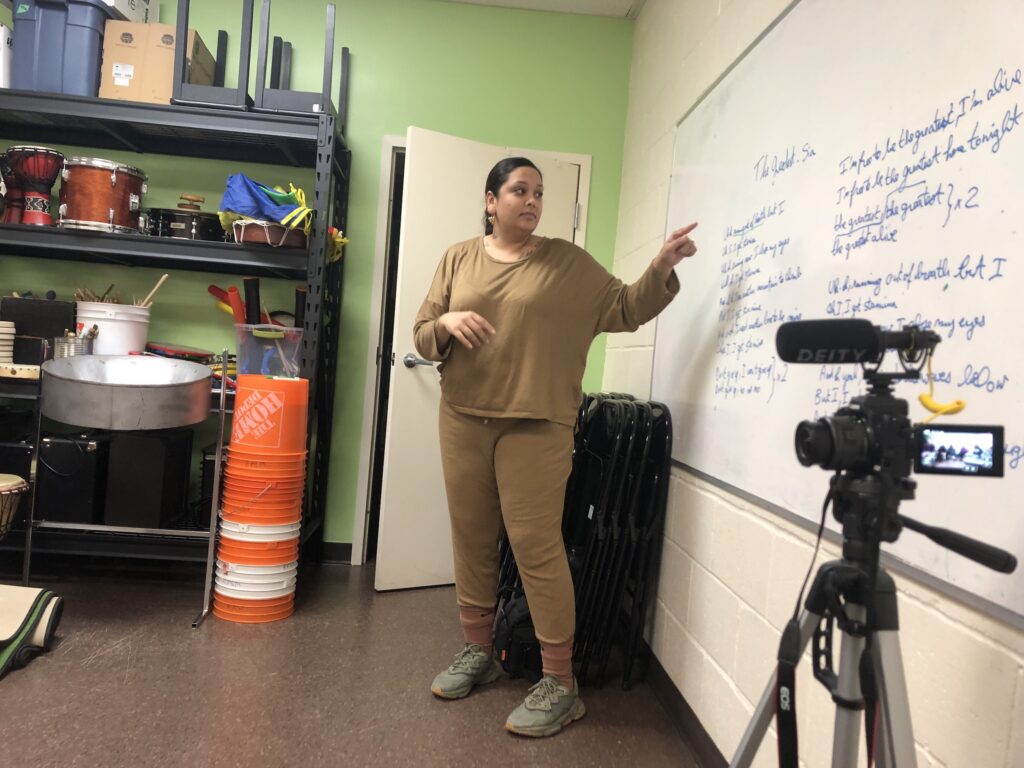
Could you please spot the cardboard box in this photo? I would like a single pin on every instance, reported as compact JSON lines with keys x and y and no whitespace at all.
{"x":6,"y":55}
{"x":135,"y":10}
{"x":138,"y":61}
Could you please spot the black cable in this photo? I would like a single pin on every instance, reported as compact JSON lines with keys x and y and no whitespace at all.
{"x":81,"y":452}
{"x":814,"y":555}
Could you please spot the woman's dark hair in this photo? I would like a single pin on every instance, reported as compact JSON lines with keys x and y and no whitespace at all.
{"x":499,"y":175}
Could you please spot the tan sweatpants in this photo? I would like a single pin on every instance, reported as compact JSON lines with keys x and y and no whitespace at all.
{"x":511,"y":470}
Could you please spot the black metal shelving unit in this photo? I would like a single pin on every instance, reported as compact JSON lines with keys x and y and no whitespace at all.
{"x":145,"y":251}
{"x":311,"y":141}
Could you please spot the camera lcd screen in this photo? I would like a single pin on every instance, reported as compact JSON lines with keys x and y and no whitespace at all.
{"x":960,"y":450}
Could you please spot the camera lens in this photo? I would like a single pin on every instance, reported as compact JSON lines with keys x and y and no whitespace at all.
{"x":839,"y":442}
{"x":814,"y":443}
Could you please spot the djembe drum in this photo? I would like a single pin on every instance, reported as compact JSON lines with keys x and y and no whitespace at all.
{"x":14,"y":203}
{"x":11,"y":489}
{"x":35,"y":170}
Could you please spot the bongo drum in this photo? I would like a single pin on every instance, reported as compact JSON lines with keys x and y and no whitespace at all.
{"x":35,"y":170}
{"x":14,"y":203}
{"x":101,"y":195}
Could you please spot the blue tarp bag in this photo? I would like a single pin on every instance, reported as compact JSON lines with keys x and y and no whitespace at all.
{"x":249,"y":199}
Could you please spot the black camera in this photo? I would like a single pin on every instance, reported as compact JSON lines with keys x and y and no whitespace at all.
{"x":874,"y":433}
{"x":853,"y":439}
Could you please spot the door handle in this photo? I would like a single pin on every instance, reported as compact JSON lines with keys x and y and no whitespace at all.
{"x":411,"y":361}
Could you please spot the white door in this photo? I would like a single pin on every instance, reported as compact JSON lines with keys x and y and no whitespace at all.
{"x":443,"y":203}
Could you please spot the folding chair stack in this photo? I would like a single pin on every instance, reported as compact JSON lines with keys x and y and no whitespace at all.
{"x":614,"y":512}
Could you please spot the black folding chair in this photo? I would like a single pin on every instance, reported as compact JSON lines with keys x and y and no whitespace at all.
{"x":628,"y":533}
{"x":650,"y":526}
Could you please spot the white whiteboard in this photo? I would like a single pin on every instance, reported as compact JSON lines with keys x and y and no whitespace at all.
{"x":865,"y":159}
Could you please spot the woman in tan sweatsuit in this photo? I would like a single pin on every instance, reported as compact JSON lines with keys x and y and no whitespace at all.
{"x":511,"y":316}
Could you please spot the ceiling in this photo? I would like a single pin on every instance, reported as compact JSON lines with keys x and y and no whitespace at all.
{"x":623,"y":9}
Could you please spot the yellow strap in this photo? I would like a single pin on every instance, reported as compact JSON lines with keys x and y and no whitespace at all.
{"x":937,"y":408}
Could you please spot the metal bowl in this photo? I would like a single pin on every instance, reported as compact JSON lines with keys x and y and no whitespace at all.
{"x":125,"y":392}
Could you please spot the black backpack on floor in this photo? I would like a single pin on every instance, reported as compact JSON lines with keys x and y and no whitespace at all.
{"x":515,"y":644}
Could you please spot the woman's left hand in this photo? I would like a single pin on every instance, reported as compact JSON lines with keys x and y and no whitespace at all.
{"x":677,"y":247}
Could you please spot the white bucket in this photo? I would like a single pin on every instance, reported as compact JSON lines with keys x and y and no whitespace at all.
{"x":231,"y":578}
{"x":245,"y":594}
{"x":260,"y":530}
{"x":257,"y":586}
{"x":253,"y":536}
{"x":122,"y":329}
{"x":225,"y":567}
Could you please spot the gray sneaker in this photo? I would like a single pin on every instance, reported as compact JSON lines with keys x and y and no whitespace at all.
{"x":548,"y":707}
{"x":471,"y":667}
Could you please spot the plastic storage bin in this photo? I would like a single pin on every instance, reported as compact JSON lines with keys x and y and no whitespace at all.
{"x":269,"y":350}
{"x":58,"y":45}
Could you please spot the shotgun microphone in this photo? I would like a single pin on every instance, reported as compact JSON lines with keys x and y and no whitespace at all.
{"x":849,"y":341}
{"x":829,"y":341}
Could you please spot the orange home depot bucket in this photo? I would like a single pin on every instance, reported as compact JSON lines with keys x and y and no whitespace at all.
{"x":256,"y":554}
{"x":264,"y":499}
{"x":270,"y":414}
{"x":271,"y":461}
{"x":247,"y":617}
{"x":247,"y":558}
{"x":262,"y":506}
{"x":269,"y":604}
{"x":287,"y":474}
{"x":266,"y":495}
{"x":260,"y":486}
{"x":244,"y":453}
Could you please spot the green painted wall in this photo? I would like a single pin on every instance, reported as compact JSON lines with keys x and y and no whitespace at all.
{"x":552,"y":81}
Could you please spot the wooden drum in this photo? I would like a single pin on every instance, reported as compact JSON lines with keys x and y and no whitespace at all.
{"x":101,"y":195}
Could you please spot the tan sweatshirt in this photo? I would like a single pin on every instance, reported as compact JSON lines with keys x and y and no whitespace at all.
{"x":546,"y":310}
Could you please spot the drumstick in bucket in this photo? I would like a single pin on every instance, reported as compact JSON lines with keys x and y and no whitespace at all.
{"x":146,"y":303}
{"x":290,"y":366}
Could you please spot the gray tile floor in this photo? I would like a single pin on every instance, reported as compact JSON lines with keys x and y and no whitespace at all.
{"x":343,"y":682}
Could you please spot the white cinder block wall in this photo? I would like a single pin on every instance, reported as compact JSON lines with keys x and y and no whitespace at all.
{"x":730,"y":570}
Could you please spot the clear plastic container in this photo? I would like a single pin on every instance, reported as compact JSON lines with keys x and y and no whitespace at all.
{"x":269,"y":350}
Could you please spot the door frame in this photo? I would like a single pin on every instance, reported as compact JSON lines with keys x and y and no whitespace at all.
{"x":367,"y":436}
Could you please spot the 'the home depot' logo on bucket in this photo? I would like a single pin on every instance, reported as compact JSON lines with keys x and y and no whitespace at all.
{"x":258,"y":419}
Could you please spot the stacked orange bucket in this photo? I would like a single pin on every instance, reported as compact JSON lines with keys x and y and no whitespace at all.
{"x":261,"y":504}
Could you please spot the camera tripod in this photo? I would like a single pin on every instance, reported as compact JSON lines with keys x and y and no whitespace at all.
{"x":842,"y":587}
{"x":859,"y":596}
{"x":871,"y":445}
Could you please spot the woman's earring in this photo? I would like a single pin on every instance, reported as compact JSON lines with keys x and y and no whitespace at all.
{"x":490,"y":219}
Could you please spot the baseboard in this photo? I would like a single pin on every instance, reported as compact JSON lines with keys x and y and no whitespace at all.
{"x":336,"y":552}
{"x":685,"y":719}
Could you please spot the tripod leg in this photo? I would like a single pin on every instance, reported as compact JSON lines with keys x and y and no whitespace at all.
{"x":746,"y":750}
{"x":846,"y":735}
{"x":895,"y":743}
